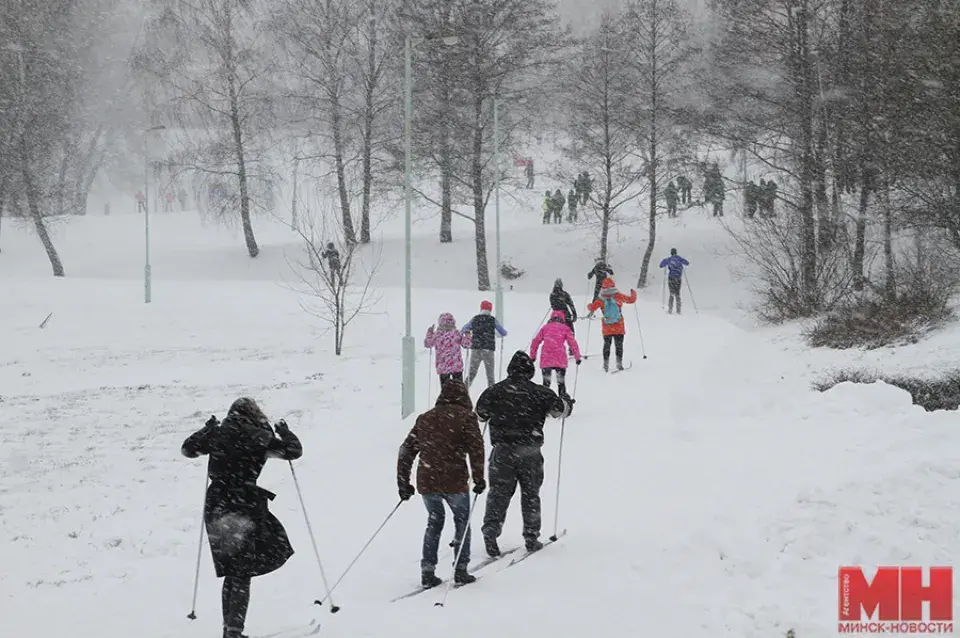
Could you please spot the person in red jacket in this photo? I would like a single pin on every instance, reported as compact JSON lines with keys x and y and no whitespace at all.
{"x":611,"y":301}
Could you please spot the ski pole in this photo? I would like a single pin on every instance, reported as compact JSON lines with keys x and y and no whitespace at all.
{"x":663,"y":297}
{"x":501,"y":358}
{"x":354,"y":561}
{"x":690,"y":290}
{"x":463,"y":539}
{"x":563,"y":424}
{"x":643,"y":348}
{"x":540,"y":325}
{"x":313,"y":540}
{"x":203,"y":524}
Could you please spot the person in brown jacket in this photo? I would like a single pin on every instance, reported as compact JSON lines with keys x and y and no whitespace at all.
{"x":443,"y":438}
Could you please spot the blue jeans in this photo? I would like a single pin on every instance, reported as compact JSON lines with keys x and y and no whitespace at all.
{"x":460,"y":506}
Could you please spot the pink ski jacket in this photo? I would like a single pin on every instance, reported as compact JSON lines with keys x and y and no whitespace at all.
{"x":554,"y":335}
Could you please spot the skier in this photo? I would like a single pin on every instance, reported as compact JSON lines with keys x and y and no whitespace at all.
{"x":444,"y":438}
{"x":671,"y":196}
{"x":713,"y":190}
{"x":553,"y":356}
{"x":246,"y":540}
{"x":447,"y":341}
{"x":547,"y":207}
{"x":515,"y":410}
{"x":601,"y":271}
{"x":169,"y":202}
{"x":141,"y":202}
{"x":587,"y":187}
{"x":674,"y":265}
{"x":572,"y":206}
{"x":332,"y":255}
{"x":558,"y":202}
{"x":751,"y":199}
{"x":613,"y":327}
{"x":561,"y":300}
{"x":484,"y":347}
{"x":529,"y":171}
{"x":685,"y":187}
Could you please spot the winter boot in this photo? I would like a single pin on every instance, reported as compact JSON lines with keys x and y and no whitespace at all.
{"x":229,"y":632}
{"x":606,"y":365}
{"x":533,"y":545}
{"x":493,"y":550}
{"x":429,"y":579}
{"x":462,"y":577}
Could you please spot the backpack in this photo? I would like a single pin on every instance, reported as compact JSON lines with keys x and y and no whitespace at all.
{"x":611,"y":311}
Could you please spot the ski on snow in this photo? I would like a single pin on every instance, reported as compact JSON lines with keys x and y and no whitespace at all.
{"x":527,"y":555}
{"x":482,"y":564}
{"x":627,"y":367}
{"x":296,"y":632}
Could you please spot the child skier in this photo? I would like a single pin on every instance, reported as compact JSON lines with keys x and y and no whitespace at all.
{"x":553,"y":336}
{"x":485,"y":328}
{"x":448,"y":340}
{"x":674,"y":265}
{"x":611,"y":301}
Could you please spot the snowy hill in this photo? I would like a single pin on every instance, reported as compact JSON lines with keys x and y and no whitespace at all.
{"x":708,"y":491}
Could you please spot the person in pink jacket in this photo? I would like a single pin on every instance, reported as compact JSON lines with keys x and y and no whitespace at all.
{"x":554,"y":335}
{"x":447,"y":341}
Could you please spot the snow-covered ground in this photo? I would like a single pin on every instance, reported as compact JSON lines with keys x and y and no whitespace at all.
{"x":708,"y":491}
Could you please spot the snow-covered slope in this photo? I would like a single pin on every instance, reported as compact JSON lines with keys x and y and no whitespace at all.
{"x":707,"y":491}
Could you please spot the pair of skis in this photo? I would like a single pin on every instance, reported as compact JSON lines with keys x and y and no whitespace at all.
{"x":486,"y":563}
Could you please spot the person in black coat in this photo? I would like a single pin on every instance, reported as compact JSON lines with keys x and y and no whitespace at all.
{"x":515,"y":410}
{"x":560,"y":300}
{"x":246,"y":540}
{"x":600,"y":271}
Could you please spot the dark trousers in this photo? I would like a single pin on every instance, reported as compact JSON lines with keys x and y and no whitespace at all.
{"x":450,"y":375}
{"x":234,"y":599}
{"x":436,"y":515}
{"x":561,"y":378}
{"x":673,"y":284}
{"x":510,"y":466}
{"x":671,"y":208}
{"x":570,"y":323}
{"x":616,"y":339}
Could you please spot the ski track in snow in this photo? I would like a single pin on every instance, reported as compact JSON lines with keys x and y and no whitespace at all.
{"x":707,"y":492}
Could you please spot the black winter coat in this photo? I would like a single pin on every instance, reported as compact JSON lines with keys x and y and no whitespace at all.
{"x":516,"y":408}
{"x":601,"y":271}
{"x":246,"y":540}
{"x":560,"y":300}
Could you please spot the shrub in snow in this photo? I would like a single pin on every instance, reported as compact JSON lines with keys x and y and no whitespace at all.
{"x":937,"y":393}
{"x":509,"y":271}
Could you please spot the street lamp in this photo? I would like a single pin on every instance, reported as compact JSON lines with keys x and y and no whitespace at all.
{"x":498,"y":299}
{"x":408,"y":352}
{"x":147,"y":292}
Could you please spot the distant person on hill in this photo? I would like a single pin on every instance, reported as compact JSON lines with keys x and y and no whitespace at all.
{"x":561,"y":300}
{"x":483,"y":349}
{"x":141,"y":202}
{"x":685,"y":187}
{"x":169,"y":200}
{"x":444,"y":438}
{"x":547,"y":207}
{"x":572,"y":203}
{"x":614,"y":330}
{"x":515,"y":410}
{"x":601,"y":271}
{"x":182,"y":196}
{"x":530,"y":175}
{"x":714,"y":190}
{"x":553,"y":340}
{"x":447,"y":341}
{"x":674,"y":265}
{"x":246,"y":540}
{"x":332,"y":255}
{"x":558,"y":202}
{"x":670,"y":194}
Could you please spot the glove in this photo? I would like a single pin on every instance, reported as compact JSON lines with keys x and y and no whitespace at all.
{"x":479,"y":486}
{"x":282,"y":428}
{"x":406,"y":492}
{"x":578,"y":361}
{"x":212,"y":422}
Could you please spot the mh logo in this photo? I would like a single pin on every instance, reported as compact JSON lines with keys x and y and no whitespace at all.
{"x":894,"y":600}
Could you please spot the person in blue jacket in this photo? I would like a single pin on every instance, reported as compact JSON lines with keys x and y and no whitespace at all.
{"x":674,"y":265}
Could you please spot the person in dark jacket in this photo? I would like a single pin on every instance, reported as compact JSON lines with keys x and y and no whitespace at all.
{"x":670,"y":193}
{"x":483,"y":348}
{"x":600,"y":271}
{"x":444,"y":438}
{"x":572,"y":203}
{"x":515,"y":410}
{"x":561,"y":300}
{"x":686,"y":187}
{"x":246,"y":540}
{"x":674,"y":265}
{"x":332,"y":255}
{"x":558,"y":203}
